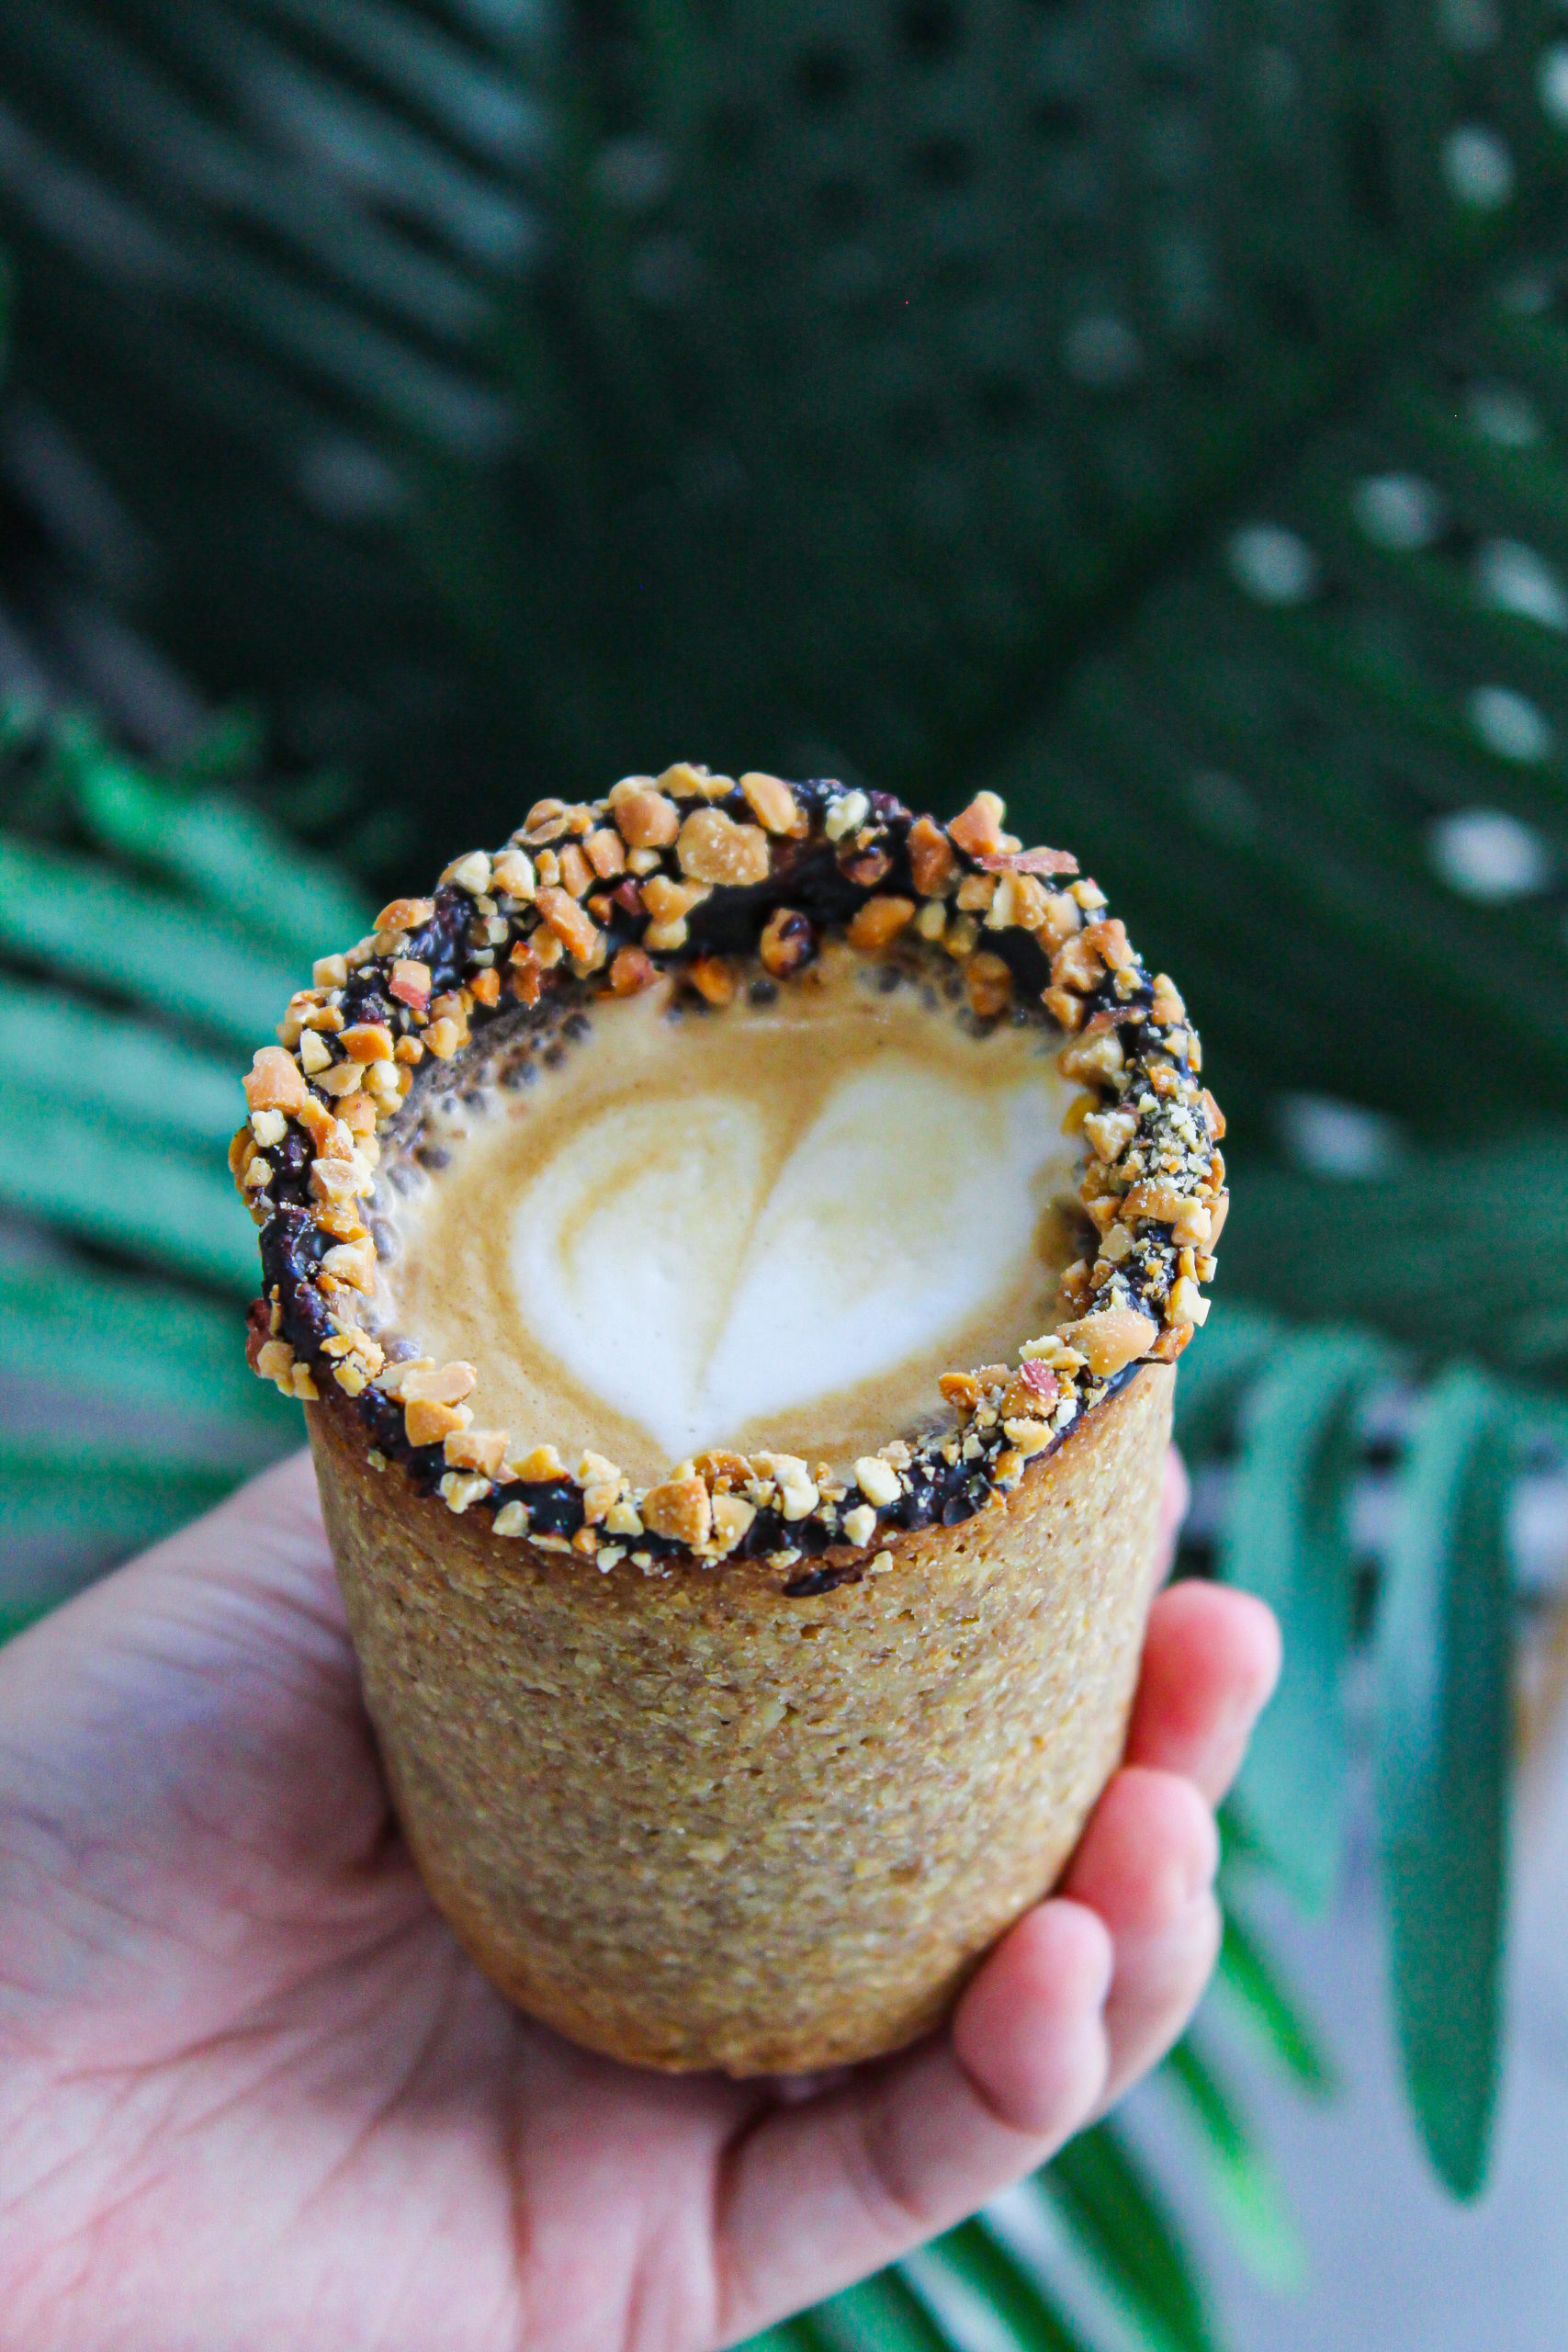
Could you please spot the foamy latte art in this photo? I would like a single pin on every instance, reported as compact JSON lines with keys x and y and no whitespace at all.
{"x":772,"y":1225}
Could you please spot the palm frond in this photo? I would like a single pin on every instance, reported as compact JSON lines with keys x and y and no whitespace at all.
{"x":1444,"y":1725}
{"x":114,"y":1125}
{"x":1240,"y":2178}
{"x":1286,"y":1537}
{"x":1251,"y":1986}
{"x":1119,"y":2215}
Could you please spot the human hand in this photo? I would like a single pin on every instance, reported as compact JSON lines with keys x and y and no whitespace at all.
{"x":252,"y":2093}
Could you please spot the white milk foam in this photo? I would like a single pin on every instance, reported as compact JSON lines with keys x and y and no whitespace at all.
{"x":745,"y":1227}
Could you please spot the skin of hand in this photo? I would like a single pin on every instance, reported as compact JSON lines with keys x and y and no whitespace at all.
{"x":252,"y":2093}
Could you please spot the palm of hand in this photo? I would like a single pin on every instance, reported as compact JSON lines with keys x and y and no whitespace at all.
{"x":251,"y":2092}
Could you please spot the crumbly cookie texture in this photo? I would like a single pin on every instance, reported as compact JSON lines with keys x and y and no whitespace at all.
{"x":704,"y":874}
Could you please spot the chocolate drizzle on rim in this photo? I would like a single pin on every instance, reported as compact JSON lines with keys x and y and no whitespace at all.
{"x":700,"y":875}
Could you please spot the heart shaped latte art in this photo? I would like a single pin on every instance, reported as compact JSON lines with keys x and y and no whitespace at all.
{"x":697,"y":1272}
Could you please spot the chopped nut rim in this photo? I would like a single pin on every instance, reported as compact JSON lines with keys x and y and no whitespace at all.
{"x":706,"y":872}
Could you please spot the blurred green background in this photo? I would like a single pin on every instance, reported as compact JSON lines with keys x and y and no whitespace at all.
{"x":1154,"y":410}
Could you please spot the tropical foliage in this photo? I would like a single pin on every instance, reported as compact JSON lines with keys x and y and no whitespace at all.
{"x":1158,"y":413}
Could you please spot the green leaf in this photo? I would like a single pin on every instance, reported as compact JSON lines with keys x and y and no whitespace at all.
{"x":971,"y":2287}
{"x":118,"y":1067}
{"x":1287,"y":1539}
{"x":120,"y":1502}
{"x":1434,"y":1226}
{"x":94,"y":925}
{"x":218,"y":851}
{"x":879,"y":2316}
{"x":1121,"y":2221}
{"x":1243,"y":2181}
{"x":1252,"y":1980}
{"x":1444,"y":1718}
{"x":149,"y":1345}
{"x":111,"y":1187}
{"x":1236,"y":1340}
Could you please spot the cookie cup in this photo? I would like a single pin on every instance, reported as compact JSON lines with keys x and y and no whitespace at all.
{"x":746,"y":1768}
{"x":692,"y":1825}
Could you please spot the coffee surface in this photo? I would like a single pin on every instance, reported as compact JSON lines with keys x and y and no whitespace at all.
{"x":771,"y":1225}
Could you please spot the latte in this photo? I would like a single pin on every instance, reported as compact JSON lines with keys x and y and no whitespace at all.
{"x":769,"y":1224}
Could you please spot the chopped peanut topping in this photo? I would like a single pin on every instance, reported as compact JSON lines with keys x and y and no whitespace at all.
{"x":352,"y":1262}
{"x":931,"y":861}
{"x":1114,"y":1339}
{"x":446,"y":1384}
{"x":719,"y":1468}
{"x":470,"y":873}
{"x":846,"y":815}
{"x":631,"y":970}
{"x":688,"y":776}
{"x":1029,"y":860}
{"x":275,"y":1083}
{"x":1109,"y":941}
{"x":576,"y":874}
{"x":979,"y":828}
{"x":339,"y":1180}
{"x":428,"y":1423}
{"x":1032,"y":1390}
{"x":578,"y":932}
{"x":877,"y":1480}
{"x":546,"y":820}
{"x":368,"y":1041}
{"x":405,"y":914}
{"x":797,"y":1490}
{"x":459,"y":1489}
{"x":275,"y":1361}
{"x":512,"y":874}
{"x":989,"y":983}
{"x":1188,"y":1304}
{"x":483,"y":1449}
{"x":1076,"y":964}
{"x":1062,"y":918}
{"x":732,"y":1515}
{"x":774,"y":806}
{"x":713,"y":978}
{"x":681,"y":1510}
{"x":647,"y":819}
{"x":713,"y":848}
{"x":541,"y":1462}
{"x":1096,"y":1055}
{"x":668,"y":901}
{"x":1110,"y":1133}
{"x":527,"y":973}
{"x":788,"y":943}
{"x":410,"y":983}
{"x":1168,"y":1007}
{"x":604,"y":853}
{"x":879,"y":921}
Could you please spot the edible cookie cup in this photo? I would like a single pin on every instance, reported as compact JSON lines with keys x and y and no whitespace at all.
{"x":746,"y":1768}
